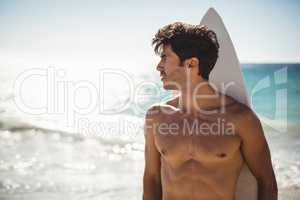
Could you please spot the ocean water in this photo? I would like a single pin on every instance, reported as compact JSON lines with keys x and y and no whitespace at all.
{"x":56,"y":153}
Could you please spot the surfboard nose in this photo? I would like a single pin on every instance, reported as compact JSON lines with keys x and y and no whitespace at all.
{"x":211,"y":12}
{"x":211,"y":9}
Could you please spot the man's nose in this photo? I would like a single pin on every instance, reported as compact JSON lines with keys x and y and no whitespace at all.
{"x":159,"y":67}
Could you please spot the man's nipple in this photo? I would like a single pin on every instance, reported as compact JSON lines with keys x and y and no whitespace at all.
{"x":221,"y":155}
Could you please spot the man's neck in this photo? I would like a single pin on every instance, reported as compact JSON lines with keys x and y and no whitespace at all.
{"x":197,"y":97}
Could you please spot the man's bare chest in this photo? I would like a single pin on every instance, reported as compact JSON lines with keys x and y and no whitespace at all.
{"x":197,"y":139}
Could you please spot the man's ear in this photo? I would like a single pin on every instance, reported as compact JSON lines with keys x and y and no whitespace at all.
{"x":192,"y":62}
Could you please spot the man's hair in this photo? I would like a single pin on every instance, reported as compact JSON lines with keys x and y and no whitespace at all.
{"x":188,"y":41}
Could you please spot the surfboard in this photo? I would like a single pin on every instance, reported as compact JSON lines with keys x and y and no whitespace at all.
{"x":227,"y":73}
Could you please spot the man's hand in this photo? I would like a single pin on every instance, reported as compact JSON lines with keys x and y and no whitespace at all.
{"x":152,"y":179}
{"x":257,"y":155}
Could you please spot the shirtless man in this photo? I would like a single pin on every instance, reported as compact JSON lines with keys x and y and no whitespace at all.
{"x":196,"y":144}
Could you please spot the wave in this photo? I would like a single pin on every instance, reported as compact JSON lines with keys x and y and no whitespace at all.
{"x":14,"y":124}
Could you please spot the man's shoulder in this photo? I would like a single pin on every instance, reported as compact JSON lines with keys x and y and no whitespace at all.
{"x":236,"y":108}
{"x":245,"y":117}
{"x":243,"y":112}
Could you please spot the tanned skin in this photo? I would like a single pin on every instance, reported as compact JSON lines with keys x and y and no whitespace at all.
{"x":186,"y":163}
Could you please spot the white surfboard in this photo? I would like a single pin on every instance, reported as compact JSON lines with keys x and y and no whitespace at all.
{"x":227,"y":71}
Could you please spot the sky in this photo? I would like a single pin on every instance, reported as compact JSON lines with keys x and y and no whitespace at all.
{"x":118,"y":33}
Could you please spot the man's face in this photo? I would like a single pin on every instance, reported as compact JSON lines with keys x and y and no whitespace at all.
{"x":172,"y":74}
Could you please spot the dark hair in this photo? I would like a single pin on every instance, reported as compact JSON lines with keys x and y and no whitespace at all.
{"x":188,"y":41}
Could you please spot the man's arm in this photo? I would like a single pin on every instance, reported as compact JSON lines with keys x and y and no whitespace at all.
{"x":257,"y":155}
{"x":152,"y":180}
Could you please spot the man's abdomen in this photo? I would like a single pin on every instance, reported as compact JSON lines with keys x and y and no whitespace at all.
{"x":193,"y":180}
